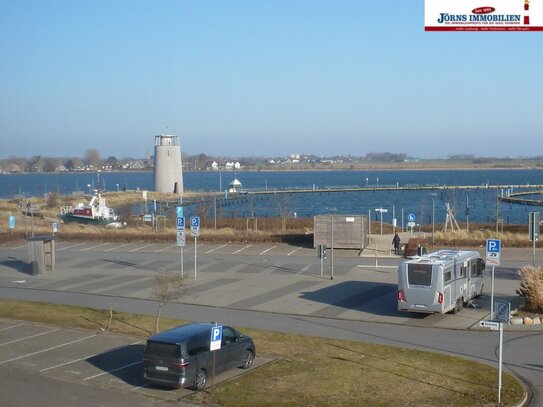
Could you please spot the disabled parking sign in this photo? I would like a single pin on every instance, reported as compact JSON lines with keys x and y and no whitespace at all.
{"x":216,"y":338}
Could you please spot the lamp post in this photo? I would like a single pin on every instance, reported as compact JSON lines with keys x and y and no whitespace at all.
{"x":89,"y":186}
{"x":117,"y":187}
{"x":381,"y":211}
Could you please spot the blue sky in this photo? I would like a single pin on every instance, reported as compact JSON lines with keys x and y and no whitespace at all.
{"x":261,"y":78}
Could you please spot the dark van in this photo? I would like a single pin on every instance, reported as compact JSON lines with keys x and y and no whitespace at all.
{"x":180,"y":357}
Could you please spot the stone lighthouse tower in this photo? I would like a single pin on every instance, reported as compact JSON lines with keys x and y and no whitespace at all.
{"x":526,"y":12}
{"x":168,"y":174}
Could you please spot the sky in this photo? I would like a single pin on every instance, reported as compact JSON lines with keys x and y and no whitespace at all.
{"x":261,"y":78}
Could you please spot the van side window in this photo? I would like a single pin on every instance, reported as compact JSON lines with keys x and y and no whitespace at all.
{"x":196,"y":345}
{"x":228,"y":336}
{"x":447,"y":276}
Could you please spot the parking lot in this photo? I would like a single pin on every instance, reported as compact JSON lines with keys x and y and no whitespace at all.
{"x":92,"y":358}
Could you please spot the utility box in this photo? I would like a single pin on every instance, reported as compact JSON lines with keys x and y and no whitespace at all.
{"x":349,"y":231}
{"x":41,"y":253}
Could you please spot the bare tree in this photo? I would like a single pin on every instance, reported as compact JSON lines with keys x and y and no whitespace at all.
{"x":283,"y":203}
{"x":92,"y":157}
{"x":167,"y":288}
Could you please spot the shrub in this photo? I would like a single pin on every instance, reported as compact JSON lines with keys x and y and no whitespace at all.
{"x":531,"y":287}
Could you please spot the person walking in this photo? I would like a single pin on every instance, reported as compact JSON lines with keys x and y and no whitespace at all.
{"x":396,"y":243}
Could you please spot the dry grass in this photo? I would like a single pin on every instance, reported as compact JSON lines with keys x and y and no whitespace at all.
{"x":531,"y":288}
{"x":314,"y":371}
{"x":479,"y":237}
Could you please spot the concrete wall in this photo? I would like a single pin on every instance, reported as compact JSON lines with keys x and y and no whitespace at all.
{"x":350,"y":231}
{"x":168,"y":173}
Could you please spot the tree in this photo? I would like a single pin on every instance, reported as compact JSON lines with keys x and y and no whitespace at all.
{"x":92,"y":157}
{"x":283,"y":203}
{"x":167,"y":288}
{"x":112,"y":161}
{"x":73,"y":163}
{"x":51,"y":164}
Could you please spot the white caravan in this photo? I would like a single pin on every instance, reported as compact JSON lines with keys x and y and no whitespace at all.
{"x":440,"y":282}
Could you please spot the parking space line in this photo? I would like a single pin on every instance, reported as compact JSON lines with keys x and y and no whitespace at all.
{"x":83,"y":358}
{"x":29,"y":337}
{"x":243,"y":248}
{"x":139,"y":248}
{"x":93,"y":247}
{"x":140,"y":387}
{"x":267,"y":250}
{"x":114,"y":370}
{"x":9,"y":327}
{"x":216,"y":248}
{"x":294,"y":251}
{"x":165,"y":248}
{"x":304,"y":269}
{"x":18,"y":247}
{"x":47,"y":350}
{"x":117,"y":247}
{"x":69,"y":247}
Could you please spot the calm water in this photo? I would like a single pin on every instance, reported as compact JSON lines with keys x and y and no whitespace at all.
{"x":482,"y":203}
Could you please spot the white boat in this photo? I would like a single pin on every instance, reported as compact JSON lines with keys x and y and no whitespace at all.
{"x":95,"y":212}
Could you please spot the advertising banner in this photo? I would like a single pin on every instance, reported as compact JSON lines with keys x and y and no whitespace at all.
{"x":483,"y":15}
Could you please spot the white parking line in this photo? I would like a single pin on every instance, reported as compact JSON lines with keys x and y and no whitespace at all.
{"x":117,"y":247}
{"x":46,"y":350}
{"x":140,"y":387}
{"x":9,"y":327}
{"x":294,"y":251}
{"x":69,"y":247}
{"x":165,"y":248}
{"x":84,"y":358}
{"x":28,"y":337}
{"x":216,"y":248}
{"x":139,"y":248}
{"x":114,"y":370}
{"x":304,"y":269}
{"x":93,"y":247}
{"x":243,"y":248}
{"x":18,"y":247}
{"x":267,"y":250}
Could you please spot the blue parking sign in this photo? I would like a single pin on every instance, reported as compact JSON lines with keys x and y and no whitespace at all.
{"x":180,"y":222}
{"x":216,"y":338}
{"x":493,"y":245}
{"x":195,"y":222}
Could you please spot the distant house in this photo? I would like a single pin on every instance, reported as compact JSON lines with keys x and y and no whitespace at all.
{"x":61,"y":168}
{"x":214,"y":166}
{"x":136,"y":165}
{"x":229,"y":165}
{"x":234,"y":187}
{"x":237,"y":166}
{"x":13,"y":168}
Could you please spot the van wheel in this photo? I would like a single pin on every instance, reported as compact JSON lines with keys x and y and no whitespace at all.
{"x":248,"y":359}
{"x":200,"y":380}
{"x":459,"y":306}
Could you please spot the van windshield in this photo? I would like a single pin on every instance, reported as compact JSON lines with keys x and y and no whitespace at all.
{"x":419,"y":274}
{"x":163,"y":350}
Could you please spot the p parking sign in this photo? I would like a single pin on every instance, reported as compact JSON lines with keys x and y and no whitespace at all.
{"x":216,"y":338}
{"x":493,"y":250}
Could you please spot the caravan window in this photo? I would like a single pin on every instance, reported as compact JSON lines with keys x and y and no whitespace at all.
{"x":419,"y":274}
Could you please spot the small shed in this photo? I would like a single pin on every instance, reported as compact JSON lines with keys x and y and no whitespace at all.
{"x":349,"y":231}
{"x":41,"y":253}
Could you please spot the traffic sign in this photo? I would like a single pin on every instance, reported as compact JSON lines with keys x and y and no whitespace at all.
{"x":195,"y":226}
{"x":411,"y":217}
{"x":181,"y":237}
{"x":489,"y":324}
{"x":179,"y":210}
{"x":493,"y":249}
{"x":180,"y":222}
{"x":533,"y":226}
{"x":503,"y":310}
{"x":216,"y":338}
{"x":12,"y":221}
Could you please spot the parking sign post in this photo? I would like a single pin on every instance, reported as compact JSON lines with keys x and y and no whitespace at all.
{"x":180,"y":223}
{"x":195,"y":231}
{"x":215,"y":344}
{"x":493,"y":249}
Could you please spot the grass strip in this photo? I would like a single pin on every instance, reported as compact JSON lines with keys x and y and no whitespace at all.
{"x":313,"y":371}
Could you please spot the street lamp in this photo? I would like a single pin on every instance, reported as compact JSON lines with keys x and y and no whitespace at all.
{"x":117,"y":187}
{"x":381,"y":210}
{"x":89,"y":186}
